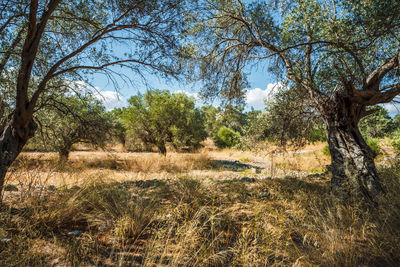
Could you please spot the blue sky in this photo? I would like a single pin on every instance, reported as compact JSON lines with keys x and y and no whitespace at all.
{"x":261,"y":83}
{"x":262,"y":86}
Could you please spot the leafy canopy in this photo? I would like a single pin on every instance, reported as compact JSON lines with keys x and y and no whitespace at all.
{"x":45,"y":43}
{"x":160,"y":117}
{"x":69,"y":120}
{"x":377,"y":125}
{"x":226,"y":137}
{"x":328,"y":48}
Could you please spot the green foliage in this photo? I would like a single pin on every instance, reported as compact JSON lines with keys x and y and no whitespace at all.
{"x":373,"y":143}
{"x":229,"y":116}
{"x":159,"y":117}
{"x":378,"y":124}
{"x":255,"y":131}
{"x":72,"y":119}
{"x":291,"y":117}
{"x":232,"y":117}
{"x":210,"y":118}
{"x":396,"y":141}
{"x":396,"y":120}
{"x":317,"y":133}
{"x":326,"y":150}
{"x":118,"y":128}
{"x":226,"y":137}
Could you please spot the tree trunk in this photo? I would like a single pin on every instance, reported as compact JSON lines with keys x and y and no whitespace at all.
{"x":353,"y":166}
{"x":162,"y":149}
{"x":122,"y":139}
{"x":63,"y":154}
{"x":13,"y":138}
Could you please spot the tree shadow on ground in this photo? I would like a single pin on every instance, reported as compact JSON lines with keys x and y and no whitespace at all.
{"x":233,"y":165}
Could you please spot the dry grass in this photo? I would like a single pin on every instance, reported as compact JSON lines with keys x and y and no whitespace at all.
{"x":278,"y":162}
{"x":143,"y":209}
{"x":201,"y":222}
{"x":134,"y":162}
{"x":42,"y":169}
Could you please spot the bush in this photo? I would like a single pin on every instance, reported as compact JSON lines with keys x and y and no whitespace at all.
{"x":373,"y":143}
{"x":326,"y":150}
{"x":396,"y":141}
{"x":226,"y":137}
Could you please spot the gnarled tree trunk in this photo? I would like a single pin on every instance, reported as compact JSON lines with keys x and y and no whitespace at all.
{"x":13,"y":137}
{"x":353,"y":166}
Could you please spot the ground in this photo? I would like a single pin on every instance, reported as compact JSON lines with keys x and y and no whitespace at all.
{"x":43,"y":168}
{"x":212,"y":208}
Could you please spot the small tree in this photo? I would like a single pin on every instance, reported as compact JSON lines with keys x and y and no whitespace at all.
{"x":230,"y":116}
{"x":210,"y":118}
{"x":70,"y":120}
{"x":118,"y":129}
{"x":159,"y":117}
{"x":378,"y":124}
{"x":290,"y":117}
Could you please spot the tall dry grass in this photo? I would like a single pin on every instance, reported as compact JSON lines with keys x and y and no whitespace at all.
{"x":134,"y":162}
{"x":192,"y":222}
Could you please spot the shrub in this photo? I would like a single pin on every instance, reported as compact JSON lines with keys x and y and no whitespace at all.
{"x":396,"y":141}
{"x":226,"y":137}
{"x":326,"y":150}
{"x":373,"y":143}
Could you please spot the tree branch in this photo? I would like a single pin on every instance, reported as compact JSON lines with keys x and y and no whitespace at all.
{"x":374,"y":79}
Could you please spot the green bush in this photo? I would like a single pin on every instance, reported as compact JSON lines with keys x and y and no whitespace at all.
{"x":326,"y":150}
{"x":226,"y":137}
{"x":396,"y":141}
{"x":373,"y":143}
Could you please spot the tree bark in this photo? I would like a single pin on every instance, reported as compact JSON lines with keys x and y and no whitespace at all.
{"x":13,"y":138}
{"x":353,"y":167}
{"x":63,"y":155}
{"x":162,"y":149}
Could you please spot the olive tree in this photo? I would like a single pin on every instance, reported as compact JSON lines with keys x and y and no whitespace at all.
{"x":159,"y":117}
{"x":44,"y":43}
{"x":343,"y":54}
{"x":378,"y":124}
{"x":230,"y":116}
{"x":70,"y":120}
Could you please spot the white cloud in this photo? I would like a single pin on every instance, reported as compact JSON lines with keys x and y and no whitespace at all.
{"x":194,"y":95}
{"x":256,"y":97}
{"x":198,"y":101}
{"x":111,"y":99}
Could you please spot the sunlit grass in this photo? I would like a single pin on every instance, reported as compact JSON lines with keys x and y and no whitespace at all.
{"x":193,"y":222}
{"x":144,"y":209}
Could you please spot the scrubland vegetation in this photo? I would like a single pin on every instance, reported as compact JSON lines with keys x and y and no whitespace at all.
{"x":222,"y":205}
{"x":193,"y":210}
{"x":311,"y":179}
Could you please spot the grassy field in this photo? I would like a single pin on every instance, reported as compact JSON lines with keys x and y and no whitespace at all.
{"x":213,"y":208}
